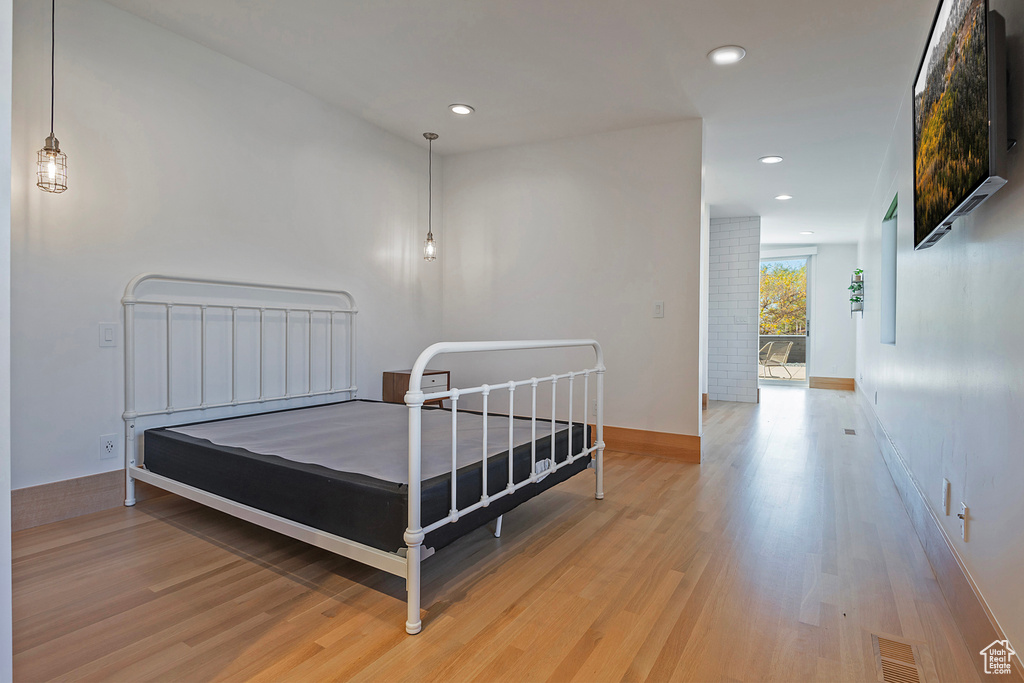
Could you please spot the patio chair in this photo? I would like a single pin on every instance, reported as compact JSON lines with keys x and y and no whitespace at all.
{"x":777,"y":355}
{"x":762,"y":356}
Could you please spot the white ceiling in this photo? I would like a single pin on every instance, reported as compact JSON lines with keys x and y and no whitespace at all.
{"x":821,"y":84}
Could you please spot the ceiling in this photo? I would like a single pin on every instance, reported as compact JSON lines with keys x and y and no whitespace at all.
{"x":821,"y":84}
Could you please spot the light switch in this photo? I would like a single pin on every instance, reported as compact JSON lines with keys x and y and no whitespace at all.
{"x":659,"y":309}
{"x":108,"y":334}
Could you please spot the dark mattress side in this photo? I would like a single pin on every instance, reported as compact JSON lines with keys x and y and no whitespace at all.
{"x":355,"y":506}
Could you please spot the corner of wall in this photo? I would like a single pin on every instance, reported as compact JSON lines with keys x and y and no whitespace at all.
{"x":6,"y":660}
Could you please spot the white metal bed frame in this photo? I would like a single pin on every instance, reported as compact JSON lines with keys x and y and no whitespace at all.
{"x":405,"y":564}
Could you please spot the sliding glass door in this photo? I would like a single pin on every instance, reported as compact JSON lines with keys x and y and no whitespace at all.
{"x":783,"y":323}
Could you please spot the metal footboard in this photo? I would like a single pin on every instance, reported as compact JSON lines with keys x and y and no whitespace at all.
{"x":414,"y":399}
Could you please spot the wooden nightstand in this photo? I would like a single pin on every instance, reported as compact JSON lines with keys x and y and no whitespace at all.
{"x":396,"y":383}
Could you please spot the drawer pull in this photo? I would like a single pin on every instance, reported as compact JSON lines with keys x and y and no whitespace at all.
{"x":433,"y":381}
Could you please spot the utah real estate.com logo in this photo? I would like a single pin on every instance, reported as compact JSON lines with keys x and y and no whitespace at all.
{"x":997,"y":657}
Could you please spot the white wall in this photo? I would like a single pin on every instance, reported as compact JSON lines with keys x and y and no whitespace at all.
{"x":578,"y":238}
{"x":705,"y":277}
{"x":733,"y":308}
{"x":951,"y":390}
{"x":833,"y":343}
{"x":6,"y":661}
{"x":184,"y":161}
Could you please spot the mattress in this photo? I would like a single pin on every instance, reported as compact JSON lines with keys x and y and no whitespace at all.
{"x":343,"y":467}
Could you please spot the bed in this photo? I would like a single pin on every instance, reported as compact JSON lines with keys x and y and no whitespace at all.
{"x":242,"y":397}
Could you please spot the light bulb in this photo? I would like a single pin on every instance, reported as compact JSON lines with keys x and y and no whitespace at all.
{"x":51,"y":168}
{"x":429,"y":248}
{"x":727,"y":54}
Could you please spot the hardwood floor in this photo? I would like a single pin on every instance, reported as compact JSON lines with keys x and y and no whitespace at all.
{"x":776,"y":559}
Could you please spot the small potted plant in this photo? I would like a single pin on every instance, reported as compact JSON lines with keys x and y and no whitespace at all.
{"x":857,"y":291}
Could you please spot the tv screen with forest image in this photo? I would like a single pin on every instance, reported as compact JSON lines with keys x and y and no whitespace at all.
{"x":951,"y":115}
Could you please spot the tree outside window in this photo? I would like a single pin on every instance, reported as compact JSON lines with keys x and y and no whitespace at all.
{"x":784,"y":297}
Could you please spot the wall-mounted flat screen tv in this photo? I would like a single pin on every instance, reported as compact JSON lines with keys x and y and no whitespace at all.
{"x":959,"y":117}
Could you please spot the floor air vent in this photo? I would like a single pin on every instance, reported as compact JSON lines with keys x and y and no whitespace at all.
{"x":895,"y":661}
{"x":850,"y":432}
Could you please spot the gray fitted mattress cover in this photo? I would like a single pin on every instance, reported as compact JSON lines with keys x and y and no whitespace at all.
{"x":368,"y":438}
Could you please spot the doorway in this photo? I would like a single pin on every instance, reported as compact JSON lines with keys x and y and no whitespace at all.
{"x":783,"y":322}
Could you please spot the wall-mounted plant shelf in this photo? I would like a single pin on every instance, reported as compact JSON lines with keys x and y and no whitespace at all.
{"x":857,"y":292}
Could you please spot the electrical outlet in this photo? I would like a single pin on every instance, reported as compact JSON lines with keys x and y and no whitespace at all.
{"x":659,"y":309}
{"x":593,"y":408}
{"x":944,"y":500}
{"x":963,"y":521}
{"x":108,"y":446}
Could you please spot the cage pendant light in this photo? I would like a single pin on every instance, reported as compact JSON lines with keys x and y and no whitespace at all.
{"x":430,"y":245}
{"x":51,"y":163}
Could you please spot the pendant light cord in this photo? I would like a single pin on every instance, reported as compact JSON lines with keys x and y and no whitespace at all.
{"x":430,"y":184}
{"x":53,"y":52}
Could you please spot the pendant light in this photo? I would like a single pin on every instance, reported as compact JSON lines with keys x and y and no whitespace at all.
{"x":430,"y":246}
{"x":52,"y":164}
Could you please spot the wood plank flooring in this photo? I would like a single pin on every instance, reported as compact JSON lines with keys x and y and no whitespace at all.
{"x":776,"y":559}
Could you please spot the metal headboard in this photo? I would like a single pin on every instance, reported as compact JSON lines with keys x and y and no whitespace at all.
{"x":202,"y":295}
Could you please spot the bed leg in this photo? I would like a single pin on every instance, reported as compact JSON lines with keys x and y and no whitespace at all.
{"x":414,"y":541}
{"x":129,"y":454}
{"x":599,"y":465}
{"x":497,"y":526}
{"x":129,"y":491}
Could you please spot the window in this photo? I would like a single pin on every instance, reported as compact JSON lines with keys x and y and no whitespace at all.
{"x":887,"y":279}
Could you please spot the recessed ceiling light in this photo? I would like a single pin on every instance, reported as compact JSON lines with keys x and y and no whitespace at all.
{"x":461,"y":109}
{"x":807,"y":232}
{"x":784,"y":197}
{"x":770,"y":160}
{"x":727,"y":54}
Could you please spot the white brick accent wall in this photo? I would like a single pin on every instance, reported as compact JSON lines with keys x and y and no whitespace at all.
{"x":733,"y":288}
